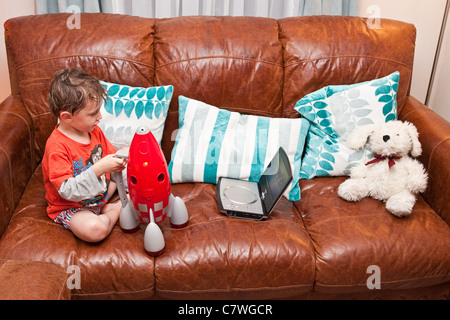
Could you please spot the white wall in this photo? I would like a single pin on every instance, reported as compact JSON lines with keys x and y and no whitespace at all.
{"x":440,"y":95}
{"x":9,"y":9}
{"x":427,"y":16}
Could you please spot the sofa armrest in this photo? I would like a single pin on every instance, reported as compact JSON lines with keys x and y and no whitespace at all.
{"x":17,"y":156}
{"x":434,"y":135}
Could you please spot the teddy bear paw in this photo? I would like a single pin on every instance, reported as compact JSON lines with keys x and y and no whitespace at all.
{"x":401,"y":205}
{"x":352,"y":190}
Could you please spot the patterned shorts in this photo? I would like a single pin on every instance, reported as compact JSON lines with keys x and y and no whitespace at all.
{"x":65,"y":216}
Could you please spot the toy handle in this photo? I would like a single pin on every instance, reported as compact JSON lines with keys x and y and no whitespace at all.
{"x":117,"y":177}
{"x":122,"y":154}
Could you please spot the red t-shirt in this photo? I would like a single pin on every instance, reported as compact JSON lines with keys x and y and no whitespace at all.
{"x":65,"y":158}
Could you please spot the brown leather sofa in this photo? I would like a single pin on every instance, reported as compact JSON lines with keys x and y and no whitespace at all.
{"x":319,"y":247}
{"x":34,"y":280}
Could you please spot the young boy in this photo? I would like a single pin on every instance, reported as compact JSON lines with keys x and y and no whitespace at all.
{"x":78,"y":159}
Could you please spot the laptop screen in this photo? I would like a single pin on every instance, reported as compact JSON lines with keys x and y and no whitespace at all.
{"x":275,"y":180}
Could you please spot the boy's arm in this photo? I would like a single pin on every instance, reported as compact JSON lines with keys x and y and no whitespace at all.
{"x":84,"y":186}
{"x":90,"y":183}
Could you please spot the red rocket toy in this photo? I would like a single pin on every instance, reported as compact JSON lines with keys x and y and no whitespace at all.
{"x":149,"y":189}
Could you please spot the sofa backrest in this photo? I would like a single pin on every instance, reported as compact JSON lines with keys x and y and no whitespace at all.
{"x":252,"y":65}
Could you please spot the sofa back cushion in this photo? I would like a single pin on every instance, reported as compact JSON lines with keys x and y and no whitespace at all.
{"x":328,"y":50}
{"x":256,"y":66}
{"x":233,"y":62}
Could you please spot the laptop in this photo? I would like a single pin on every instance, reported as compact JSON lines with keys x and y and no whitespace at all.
{"x":255,"y":200}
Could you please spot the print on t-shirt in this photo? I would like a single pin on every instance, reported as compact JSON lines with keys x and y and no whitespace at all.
{"x":81,"y":166}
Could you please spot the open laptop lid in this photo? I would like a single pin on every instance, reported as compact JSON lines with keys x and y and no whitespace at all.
{"x":274,"y":181}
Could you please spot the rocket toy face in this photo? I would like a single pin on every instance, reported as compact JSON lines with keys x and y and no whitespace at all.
{"x":148,"y":177}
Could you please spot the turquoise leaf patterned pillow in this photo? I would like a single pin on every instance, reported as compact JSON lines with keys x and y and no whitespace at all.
{"x":130,"y":107}
{"x":213,"y":143}
{"x":333,"y":113}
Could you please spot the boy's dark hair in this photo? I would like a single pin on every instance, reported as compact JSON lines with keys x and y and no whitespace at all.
{"x":70,"y":90}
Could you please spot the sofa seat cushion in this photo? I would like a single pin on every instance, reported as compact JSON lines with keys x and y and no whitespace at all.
{"x":117,"y":267}
{"x":32,"y":280}
{"x":218,"y":257}
{"x":349,"y":238}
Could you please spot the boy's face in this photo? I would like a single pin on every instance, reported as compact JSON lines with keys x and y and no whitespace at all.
{"x":87,"y":118}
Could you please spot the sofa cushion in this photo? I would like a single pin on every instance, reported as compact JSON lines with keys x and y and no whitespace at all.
{"x":334,"y":112}
{"x":131,"y":107}
{"x":315,"y":55}
{"x":214,"y":143}
{"x":351,"y":237}
{"x":224,"y":61}
{"x":217,"y":257}
{"x":117,"y":267}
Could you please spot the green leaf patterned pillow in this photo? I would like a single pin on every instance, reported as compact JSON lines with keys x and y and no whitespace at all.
{"x":130,"y":107}
{"x":334,"y":112}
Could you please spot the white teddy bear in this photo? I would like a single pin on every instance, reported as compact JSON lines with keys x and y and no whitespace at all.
{"x":393,"y":176}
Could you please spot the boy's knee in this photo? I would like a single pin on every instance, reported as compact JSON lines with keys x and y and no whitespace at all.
{"x":97,"y":231}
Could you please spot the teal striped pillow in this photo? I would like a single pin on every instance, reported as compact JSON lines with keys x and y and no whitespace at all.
{"x":213,"y":143}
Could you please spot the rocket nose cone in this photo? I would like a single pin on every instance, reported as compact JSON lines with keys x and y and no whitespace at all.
{"x":142,"y":130}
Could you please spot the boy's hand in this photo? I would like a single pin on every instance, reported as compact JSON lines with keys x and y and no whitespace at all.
{"x":109,"y":164}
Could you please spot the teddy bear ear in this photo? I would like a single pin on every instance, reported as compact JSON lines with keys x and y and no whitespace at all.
{"x":416,"y":147}
{"x":358,"y":137}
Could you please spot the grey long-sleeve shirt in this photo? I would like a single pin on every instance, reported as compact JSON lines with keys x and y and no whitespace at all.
{"x":84,"y":186}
